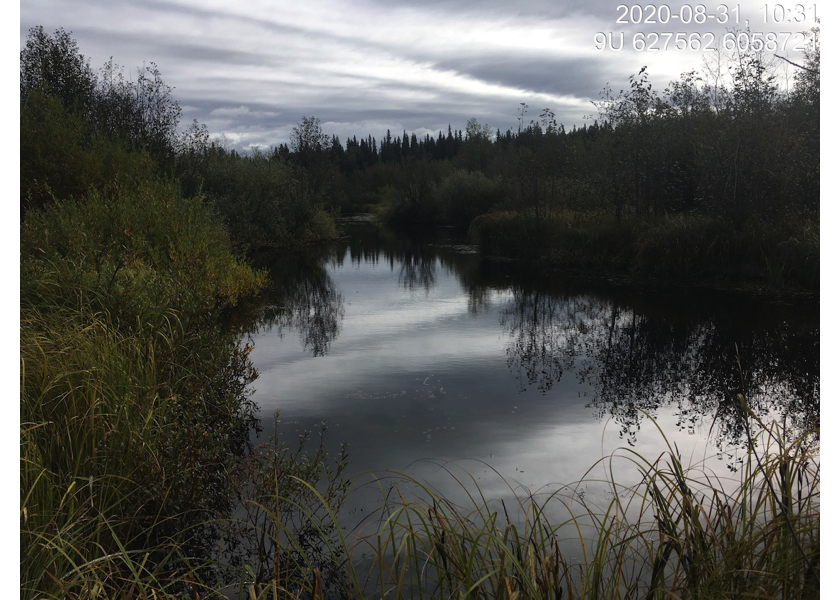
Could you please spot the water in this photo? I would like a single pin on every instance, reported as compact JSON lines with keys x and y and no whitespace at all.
{"x":427,"y":359}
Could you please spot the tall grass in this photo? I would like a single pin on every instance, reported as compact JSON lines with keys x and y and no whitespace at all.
{"x":680,"y":531}
{"x":133,"y":398}
{"x":287,"y":534}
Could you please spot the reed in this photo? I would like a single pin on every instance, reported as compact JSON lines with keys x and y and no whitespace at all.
{"x":288,"y":540}
{"x":680,"y":531}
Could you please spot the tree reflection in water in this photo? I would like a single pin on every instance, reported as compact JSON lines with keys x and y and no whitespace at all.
{"x":413,"y":256}
{"x":304,"y":298}
{"x":417,"y":269}
{"x":639,"y":352}
{"x":642,"y":357}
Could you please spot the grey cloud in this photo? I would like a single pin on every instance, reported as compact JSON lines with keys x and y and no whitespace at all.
{"x":580,"y":77}
{"x":279,"y":71}
{"x":162,"y":46}
{"x":551,"y":9}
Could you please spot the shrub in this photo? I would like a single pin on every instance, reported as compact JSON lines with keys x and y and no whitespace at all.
{"x":463,"y":195}
{"x":133,"y":398}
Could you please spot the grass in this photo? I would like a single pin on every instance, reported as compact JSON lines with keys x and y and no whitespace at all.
{"x":677,"y":533}
{"x":132,"y":412}
{"x":287,"y":529}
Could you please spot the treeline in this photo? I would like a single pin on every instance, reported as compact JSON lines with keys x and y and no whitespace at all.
{"x":714,"y":179}
{"x":740,"y":150}
{"x":700,"y":183}
{"x":355,"y":155}
{"x":69,"y":112}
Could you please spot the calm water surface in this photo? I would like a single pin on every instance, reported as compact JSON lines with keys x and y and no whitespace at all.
{"x":417,"y":353}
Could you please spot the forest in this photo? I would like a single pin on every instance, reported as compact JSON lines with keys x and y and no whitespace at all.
{"x":136,"y":233}
{"x":715,"y":180}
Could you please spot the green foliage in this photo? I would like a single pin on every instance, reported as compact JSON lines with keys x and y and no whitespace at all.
{"x":55,"y":65}
{"x":60,"y":159}
{"x":141,"y":112}
{"x":477,"y":150}
{"x":133,"y":398}
{"x":508,"y":233}
{"x":265,"y":202}
{"x":135,"y":251}
{"x":464,"y":195}
{"x":408,"y":197}
{"x":308,"y":139}
{"x":53,"y":160}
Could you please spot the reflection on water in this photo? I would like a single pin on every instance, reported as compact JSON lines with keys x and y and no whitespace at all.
{"x":306,"y":300}
{"x":418,"y":348}
{"x":640,"y":354}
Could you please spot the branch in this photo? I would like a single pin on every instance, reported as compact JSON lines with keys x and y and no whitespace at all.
{"x":796,"y":65}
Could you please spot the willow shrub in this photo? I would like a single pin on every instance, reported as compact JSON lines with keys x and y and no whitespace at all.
{"x":778,"y":254}
{"x":696,"y":248}
{"x":133,"y":398}
{"x":265,"y":202}
{"x":463,"y":195}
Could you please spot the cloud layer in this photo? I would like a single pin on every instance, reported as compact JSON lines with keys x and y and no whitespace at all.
{"x":251,"y":71}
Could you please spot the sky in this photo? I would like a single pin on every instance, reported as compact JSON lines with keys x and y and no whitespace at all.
{"x":250,"y":71}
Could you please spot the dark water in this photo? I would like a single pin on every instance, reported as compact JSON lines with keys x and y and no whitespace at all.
{"x":417,"y":351}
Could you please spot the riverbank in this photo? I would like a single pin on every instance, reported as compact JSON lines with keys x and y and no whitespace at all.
{"x":681,"y":251}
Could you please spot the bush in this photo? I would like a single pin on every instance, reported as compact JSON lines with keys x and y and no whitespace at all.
{"x":463,"y":195}
{"x":133,"y":398}
{"x":693,"y":248}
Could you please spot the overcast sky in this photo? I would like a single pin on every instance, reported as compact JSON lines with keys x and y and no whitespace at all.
{"x":251,"y":70}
